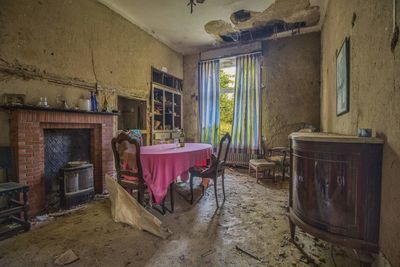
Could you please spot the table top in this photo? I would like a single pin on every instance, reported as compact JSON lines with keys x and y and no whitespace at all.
{"x":334,"y":138}
{"x":12,"y":187}
{"x":172,"y":149}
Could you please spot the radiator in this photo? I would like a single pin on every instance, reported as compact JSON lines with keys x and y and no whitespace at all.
{"x":241,"y":159}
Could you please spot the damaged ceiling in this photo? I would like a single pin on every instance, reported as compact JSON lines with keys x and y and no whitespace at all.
{"x":213,"y":23}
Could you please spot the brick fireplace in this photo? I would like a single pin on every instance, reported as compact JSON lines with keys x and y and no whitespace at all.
{"x":27,"y":141}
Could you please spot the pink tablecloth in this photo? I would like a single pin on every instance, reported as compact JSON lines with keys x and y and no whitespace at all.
{"x":163,"y":163}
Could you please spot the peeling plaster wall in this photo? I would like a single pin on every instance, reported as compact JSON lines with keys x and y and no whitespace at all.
{"x":190,"y":97}
{"x":76,"y":40}
{"x":374,"y":95}
{"x":291,"y":75}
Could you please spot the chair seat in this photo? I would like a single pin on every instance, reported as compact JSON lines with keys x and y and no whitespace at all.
{"x":129,"y":183}
{"x":261,"y":163}
{"x":129,"y":177}
{"x":279,"y":159}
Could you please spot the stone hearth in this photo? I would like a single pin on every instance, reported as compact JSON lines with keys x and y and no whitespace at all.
{"x":27,"y":141}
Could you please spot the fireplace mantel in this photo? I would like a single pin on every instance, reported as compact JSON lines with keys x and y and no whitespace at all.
{"x":50,"y":109}
{"x":27,"y":141}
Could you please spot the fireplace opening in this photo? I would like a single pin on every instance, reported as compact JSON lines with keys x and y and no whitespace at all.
{"x":61,"y":147}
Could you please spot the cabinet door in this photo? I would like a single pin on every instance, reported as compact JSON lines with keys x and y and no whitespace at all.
{"x":158,"y":109}
{"x":328,"y":200}
{"x":168,"y":111}
{"x":300,"y":185}
{"x":335,"y":191}
{"x":177,"y":112}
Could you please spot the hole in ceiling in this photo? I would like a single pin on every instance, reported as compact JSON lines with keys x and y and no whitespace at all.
{"x":241,"y":15}
{"x":280,"y":16}
{"x":262,"y":32}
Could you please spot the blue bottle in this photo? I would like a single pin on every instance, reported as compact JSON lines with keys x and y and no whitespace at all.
{"x":96,"y":109}
{"x":93,"y":102}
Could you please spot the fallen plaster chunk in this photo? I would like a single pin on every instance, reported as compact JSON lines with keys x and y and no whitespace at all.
{"x":67,"y":257}
{"x":126,"y":209}
{"x":218,"y":27}
{"x":42,"y":218}
{"x":67,"y":212}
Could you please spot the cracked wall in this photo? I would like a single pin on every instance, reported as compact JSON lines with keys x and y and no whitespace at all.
{"x":291,"y":75}
{"x":190,"y":97}
{"x":78,"y":43}
{"x":374,"y":94}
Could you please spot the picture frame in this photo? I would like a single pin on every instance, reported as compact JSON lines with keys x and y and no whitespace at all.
{"x":343,"y":78}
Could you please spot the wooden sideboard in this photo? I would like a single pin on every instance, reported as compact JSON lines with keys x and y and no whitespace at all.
{"x":335,"y":188}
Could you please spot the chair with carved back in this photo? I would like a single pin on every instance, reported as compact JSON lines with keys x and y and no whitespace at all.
{"x":126,"y":150}
{"x":262,"y":165}
{"x":272,"y":158}
{"x":215,"y":170}
{"x":280,"y":156}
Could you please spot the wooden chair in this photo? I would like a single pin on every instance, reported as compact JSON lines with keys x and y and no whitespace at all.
{"x":216,"y":168}
{"x":126,"y":152}
{"x":280,"y":156}
{"x":262,"y":165}
{"x":136,"y":134}
{"x":269,"y":162}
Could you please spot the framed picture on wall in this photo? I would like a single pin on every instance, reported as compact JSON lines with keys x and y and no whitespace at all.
{"x":343,"y":79}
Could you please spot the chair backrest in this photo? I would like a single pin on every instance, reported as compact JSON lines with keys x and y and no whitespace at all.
{"x":136,"y":134}
{"x":223,"y":150}
{"x":265,"y":150}
{"x":126,"y":150}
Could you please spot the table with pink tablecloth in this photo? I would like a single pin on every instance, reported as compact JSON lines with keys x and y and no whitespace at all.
{"x":162,"y":164}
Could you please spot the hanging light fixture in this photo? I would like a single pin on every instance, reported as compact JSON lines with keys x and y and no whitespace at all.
{"x":192,"y":3}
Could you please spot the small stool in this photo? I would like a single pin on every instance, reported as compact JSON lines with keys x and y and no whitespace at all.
{"x":262,"y":165}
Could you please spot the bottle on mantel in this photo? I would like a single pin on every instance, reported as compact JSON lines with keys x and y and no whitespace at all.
{"x":93,"y":102}
{"x":105,"y":105}
{"x":182,"y":139}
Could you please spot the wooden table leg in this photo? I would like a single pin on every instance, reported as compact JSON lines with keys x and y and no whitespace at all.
{"x":292,"y":227}
{"x":171,"y":194}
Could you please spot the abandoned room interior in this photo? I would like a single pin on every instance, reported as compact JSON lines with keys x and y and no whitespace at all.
{"x":199,"y":133}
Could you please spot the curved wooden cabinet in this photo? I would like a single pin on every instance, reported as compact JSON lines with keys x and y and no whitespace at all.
{"x":335,"y":188}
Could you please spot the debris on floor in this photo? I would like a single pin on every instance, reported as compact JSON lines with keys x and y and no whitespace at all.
{"x":208,"y":252}
{"x":126,"y":209}
{"x":248,"y":253}
{"x":67,"y":257}
{"x":67,"y":212}
{"x":42,"y":218}
{"x":254,"y":217}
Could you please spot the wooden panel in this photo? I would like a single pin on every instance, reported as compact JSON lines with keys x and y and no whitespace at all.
{"x":326,"y":191}
{"x":335,"y":189}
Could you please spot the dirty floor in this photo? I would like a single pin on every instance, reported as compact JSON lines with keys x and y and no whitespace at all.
{"x":252,"y":219}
